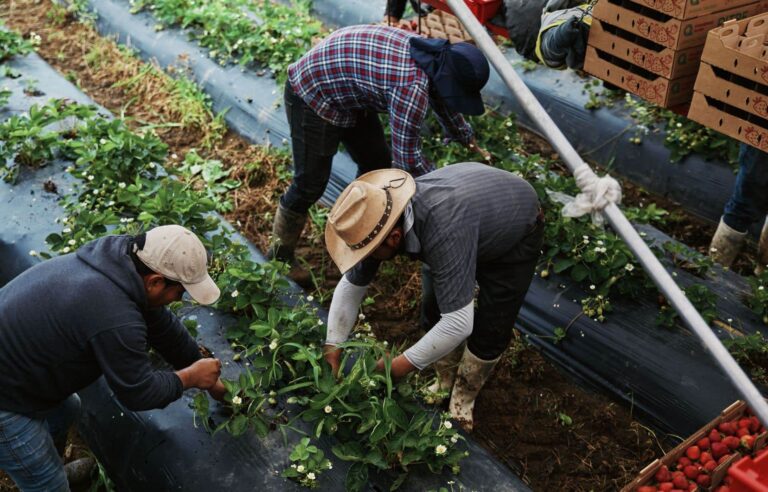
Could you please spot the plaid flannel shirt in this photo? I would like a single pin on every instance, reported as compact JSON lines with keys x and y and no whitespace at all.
{"x":370,"y":68}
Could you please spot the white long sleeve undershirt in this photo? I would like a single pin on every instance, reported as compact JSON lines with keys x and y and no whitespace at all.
{"x":452,"y":329}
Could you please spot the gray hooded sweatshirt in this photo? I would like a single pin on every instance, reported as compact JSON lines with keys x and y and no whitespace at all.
{"x":68,"y":320}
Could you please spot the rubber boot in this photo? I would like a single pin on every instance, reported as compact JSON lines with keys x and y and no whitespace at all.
{"x":286,"y":231}
{"x":726,"y":244}
{"x":762,"y":250}
{"x":79,"y":470}
{"x":472,"y":375}
{"x":445,"y":372}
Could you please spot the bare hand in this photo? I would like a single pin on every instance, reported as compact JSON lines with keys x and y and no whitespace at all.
{"x":203,"y":374}
{"x":217,"y":391}
{"x":332,"y":356}
{"x":399,"y":368}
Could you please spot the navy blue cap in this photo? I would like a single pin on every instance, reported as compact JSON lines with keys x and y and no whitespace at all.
{"x":457,"y":71}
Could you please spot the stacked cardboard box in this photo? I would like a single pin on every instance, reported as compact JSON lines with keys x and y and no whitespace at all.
{"x":652,"y":48}
{"x":731,"y":92}
{"x":442,"y":25}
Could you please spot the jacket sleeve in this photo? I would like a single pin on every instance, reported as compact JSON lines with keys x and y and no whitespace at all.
{"x":454,"y":125}
{"x":407,"y":110}
{"x":168,"y":335}
{"x":122,"y":355}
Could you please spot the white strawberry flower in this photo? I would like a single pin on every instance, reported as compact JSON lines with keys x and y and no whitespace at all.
{"x":273,"y":345}
{"x":236,"y":400}
{"x":121,"y":185}
{"x":454,"y":439}
{"x":311,"y":475}
{"x":440,"y":449}
{"x":235,"y":293}
{"x":32,"y":252}
{"x":328,"y":409}
{"x":300,"y":468}
{"x":629,"y":267}
{"x":71,"y":242}
{"x":66,"y":250}
{"x":447,"y":424}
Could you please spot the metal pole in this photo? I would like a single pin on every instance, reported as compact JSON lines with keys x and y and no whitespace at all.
{"x":615,"y":217}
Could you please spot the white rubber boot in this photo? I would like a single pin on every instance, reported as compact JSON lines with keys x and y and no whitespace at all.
{"x":762,"y":250}
{"x":445,"y":372}
{"x":726,"y":244}
{"x":472,"y":375}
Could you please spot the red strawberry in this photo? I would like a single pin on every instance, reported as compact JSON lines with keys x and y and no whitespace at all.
{"x":754,"y":424}
{"x":647,"y":488}
{"x":723,"y":488}
{"x":744,"y":422}
{"x":663,"y":475}
{"x":723,"y":459}
{"x":666,"y":486}
{"x":732,"y":442}
{"x":693,"y":453}
{"x":728,"y":480}
{"x":714,"y":436}
{"x":703,"y":443}
{"x":705,"y":457}
{"x":748,"y":441}
{"x":680,"y":482}
{"x":709,"y":466}
{"x":743,"y":431}
{"x":719,"y":449}
{"x":703,"y":480}
{"x":691,"y":472}
{"x":683,"y":461}
{"x":727,"y":428}
{"x":692,"y":486}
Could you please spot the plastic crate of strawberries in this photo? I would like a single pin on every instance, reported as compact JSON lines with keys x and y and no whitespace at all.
{"x":701,"y":462}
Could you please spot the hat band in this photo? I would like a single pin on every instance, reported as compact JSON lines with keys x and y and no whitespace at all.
{"x":379,"y":226}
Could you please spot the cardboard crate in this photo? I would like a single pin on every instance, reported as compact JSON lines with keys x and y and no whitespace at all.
{"x":739,"y":47}
{"x":666,"y":30}
{"x":735,"y":411}
{"x":720,"y":85}
{"x":649,"y":86}
{"x":655,"y":58}
{"x":687,"y":9}
{"x":730,"y":121}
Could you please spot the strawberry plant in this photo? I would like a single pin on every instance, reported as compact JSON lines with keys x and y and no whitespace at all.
{"x":309,"y":463}
{"x":13,"y":44}
{"x":210,"y":177}
{"x":702,"y":299}
{"x":263,"y":32}
{"x":751,"y":351}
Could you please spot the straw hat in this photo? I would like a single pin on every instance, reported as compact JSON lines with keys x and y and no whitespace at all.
{"x":365,"y":213}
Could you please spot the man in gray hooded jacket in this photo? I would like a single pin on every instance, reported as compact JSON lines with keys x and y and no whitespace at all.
{"x":71,"y":319}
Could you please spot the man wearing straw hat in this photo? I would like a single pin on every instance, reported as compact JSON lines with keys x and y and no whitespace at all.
{"x":334,"y":95}
{"x":69,"y":320}
{"x":471,"y":223}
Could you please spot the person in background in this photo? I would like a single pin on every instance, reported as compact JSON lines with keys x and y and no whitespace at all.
{"x":472,"y":224}
{"x":747,"y":206}
{"x":69,"y":320}
{"x":552,"y":32}
{"x":393,"y":14}
{"x":334,"y":95}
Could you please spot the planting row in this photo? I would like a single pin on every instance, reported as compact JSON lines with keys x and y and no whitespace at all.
{"x":119,"y":186}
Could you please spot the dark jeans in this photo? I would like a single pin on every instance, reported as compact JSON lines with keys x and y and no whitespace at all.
{"x":749,"y":200}
{"x":503,"y":285}
{"x":315,"y":142}
{"x":28,"y":447}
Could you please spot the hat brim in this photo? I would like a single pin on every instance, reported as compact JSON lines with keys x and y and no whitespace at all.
{"x":469,"y":104}
{"x":346,"y":257}
{"x":204,"y":292}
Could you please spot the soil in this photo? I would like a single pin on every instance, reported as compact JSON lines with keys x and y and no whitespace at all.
{"x":518,"y":414}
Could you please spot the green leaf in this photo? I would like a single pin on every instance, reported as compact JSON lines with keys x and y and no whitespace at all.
{"x":238,"y":425}
{"x":395,"y":414}
{"x":348,"y":451}
{"x":357,"y":477}
{"x":579,"y":272}
{"x":564,"y":265}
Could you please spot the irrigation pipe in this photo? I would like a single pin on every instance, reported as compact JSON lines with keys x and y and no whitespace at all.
{"x":612,"y":212}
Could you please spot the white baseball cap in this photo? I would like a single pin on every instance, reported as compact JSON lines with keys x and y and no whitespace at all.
{"x":178,"y":254}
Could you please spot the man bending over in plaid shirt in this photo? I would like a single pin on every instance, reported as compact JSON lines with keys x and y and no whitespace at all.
{"x":334,"y":94}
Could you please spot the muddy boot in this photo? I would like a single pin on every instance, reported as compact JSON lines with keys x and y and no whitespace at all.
{"x":471,"y":376}
{"x":286,"y":231}
{"x":445,"y":372}
{"x":762,"y":251}
{"x":726,"y":244}
{"x":79,"y":470}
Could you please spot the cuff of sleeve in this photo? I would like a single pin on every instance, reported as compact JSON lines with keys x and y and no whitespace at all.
{"x":408,"y":357}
